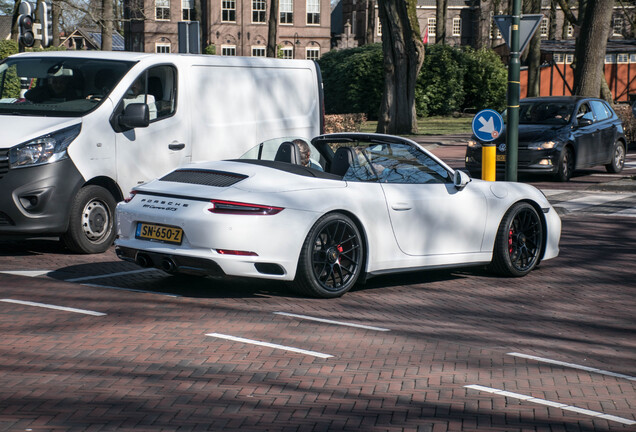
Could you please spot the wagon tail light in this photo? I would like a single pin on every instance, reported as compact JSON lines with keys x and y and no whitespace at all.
{"x":238,"y":208}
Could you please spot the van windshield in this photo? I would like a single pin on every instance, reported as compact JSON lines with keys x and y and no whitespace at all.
{"x":57,"y":86}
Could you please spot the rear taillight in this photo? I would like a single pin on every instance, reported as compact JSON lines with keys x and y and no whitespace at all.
{"x":236,"y":252}
{"x":239,"y":208}
{"x":130,"y":196}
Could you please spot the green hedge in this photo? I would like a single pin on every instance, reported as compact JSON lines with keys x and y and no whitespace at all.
{"x":451,"y":80}
{"x":353,"y":80}
{"x":7,"y":48}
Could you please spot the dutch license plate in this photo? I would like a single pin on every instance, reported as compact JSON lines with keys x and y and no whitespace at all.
{"x":501,"y":158}
{"x":162,"y":233}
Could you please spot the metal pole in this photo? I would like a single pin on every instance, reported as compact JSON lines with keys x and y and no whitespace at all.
{"x":512,"y":129}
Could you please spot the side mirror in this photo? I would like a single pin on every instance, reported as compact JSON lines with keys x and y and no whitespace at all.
{"x":461,"y":179}
{"x":584,"y":122}
{"x":135,"y":115}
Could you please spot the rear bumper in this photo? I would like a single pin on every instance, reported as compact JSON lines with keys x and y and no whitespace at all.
{"x":214,"y":265}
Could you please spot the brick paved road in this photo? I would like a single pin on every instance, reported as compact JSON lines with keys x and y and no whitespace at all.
{"x":148,"y":364}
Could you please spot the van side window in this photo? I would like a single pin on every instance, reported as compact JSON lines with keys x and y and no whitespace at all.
{"x":157,"y":87}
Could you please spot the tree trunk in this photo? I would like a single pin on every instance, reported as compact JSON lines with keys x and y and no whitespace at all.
{"x":534,"y":55}
{"x":482,"y":25}
{"x":552,"y":29}
{"x":440,"y":21}
{"x":591,"y":46}
{"x":14,"y":20}
{"x":55,"y":22}
{"x":370,"y":36}
{"x":272,"y":28}
{"x":403,"y":53}
{"x":107,"y":25}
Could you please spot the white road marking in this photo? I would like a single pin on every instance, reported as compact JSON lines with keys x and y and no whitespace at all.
{"x":551,"y":404}
{"x":85,"y":278}
{"x":48,"y":306}
{"x":573,"y":366}
{"x":30,"y":273}
{"x":550,"y":192}
{"x":270,"y":345}
{"x":362,"y":326}
{"x":588,"y":201}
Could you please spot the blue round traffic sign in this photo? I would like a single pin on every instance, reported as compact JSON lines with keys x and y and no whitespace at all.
{"x":487,"y":125}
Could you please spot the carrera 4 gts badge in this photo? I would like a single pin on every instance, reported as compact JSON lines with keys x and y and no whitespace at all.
{"x":162,"y":205}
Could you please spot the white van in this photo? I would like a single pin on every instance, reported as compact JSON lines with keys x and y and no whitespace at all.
{"x":88,"y":126}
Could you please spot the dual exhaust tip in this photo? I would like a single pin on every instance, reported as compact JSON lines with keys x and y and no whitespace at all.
{"x":166,"y":264}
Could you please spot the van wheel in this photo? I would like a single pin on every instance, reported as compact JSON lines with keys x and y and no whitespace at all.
{"x":91,"y":226}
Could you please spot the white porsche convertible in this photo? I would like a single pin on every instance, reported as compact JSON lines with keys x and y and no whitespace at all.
{"x":366,"y":204}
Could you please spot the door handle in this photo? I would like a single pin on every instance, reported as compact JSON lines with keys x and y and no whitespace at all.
{"x":177,"y":146}
{"x":401,"y":206}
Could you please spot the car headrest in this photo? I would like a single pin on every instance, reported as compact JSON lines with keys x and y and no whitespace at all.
{"x":342,"y":160}
{"x":288,"y":152}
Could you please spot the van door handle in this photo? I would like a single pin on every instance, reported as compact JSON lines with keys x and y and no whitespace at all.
{"x":401,"y":206}
{"x":177,"y":146}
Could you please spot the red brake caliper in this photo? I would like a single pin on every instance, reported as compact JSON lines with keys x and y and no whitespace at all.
{"x":510,"y":241}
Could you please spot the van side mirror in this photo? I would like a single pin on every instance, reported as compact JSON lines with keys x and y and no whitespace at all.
{"x":135,"y":115}
{"x":461,"y":179}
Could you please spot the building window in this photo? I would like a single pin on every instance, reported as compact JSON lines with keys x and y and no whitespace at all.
{"x":569,"y":58}
{"x":618,"y":26}
{"x":610,"y":58}
{"x":258,"y":11}
{"x":378,"y":25}
{"x":162,"y":9}
{"x":228,"y":10}
{"x":187,"y":8}
{"x":622,"y":58}
{"x":286,"y":11}
{"x":570,"y":30}
{"x":287,"y":53}
{"x":632,"y":58}
{"x":313,"y":12}
{"x":162,"y":48}
{"x":258,"y":51}
{"x":457,"y":26}
{"x":228,"y":50}
{"x":558,"y":58}
{"x":432,"y":24}
{"x":312,"y":53}
{"x":544,"y":27}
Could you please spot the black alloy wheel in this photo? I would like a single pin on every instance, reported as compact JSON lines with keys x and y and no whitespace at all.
{"x":331,"y":258}
{"x":519,"y":241}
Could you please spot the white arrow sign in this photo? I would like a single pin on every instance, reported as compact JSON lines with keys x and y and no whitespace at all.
{"x":488,"y":126}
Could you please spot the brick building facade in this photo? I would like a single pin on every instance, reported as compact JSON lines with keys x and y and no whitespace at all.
{"x":232,"y":27}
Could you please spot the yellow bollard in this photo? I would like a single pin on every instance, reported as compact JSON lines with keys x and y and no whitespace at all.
{"x":488,"y":162}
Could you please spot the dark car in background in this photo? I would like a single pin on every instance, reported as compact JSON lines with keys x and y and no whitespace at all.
{"x":558,"y":135}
